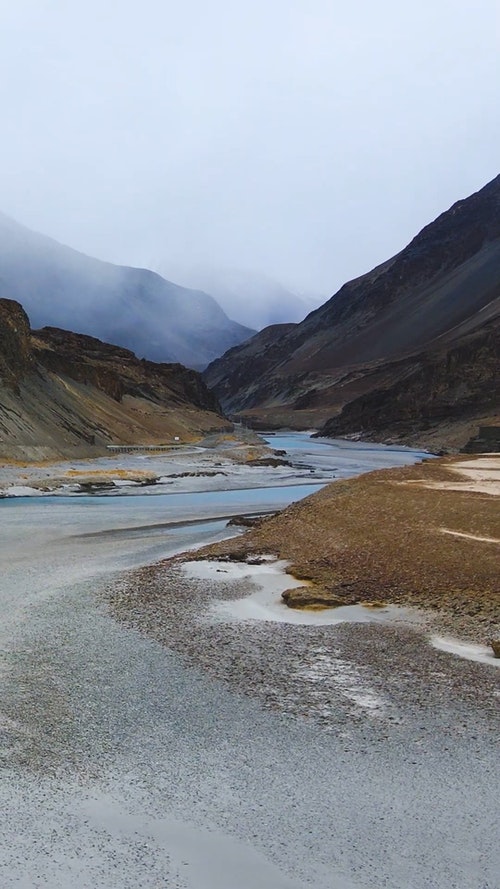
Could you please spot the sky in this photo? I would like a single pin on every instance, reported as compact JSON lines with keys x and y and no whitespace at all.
{"x":307,"y":140}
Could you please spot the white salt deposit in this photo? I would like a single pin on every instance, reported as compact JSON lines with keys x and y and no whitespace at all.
{"x":469,"y":536}
{"x":481,"y":653}
{"x":21,"y":491}
{"x":271,"y":580}
{"x":482,"y":476}
{"x":327,"y":670}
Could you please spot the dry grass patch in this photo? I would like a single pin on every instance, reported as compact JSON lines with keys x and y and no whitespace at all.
{"x":108,"y":473}
{"x":375,"y":539}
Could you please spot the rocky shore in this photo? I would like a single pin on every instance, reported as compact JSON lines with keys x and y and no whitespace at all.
{"x":340,"y":676}
{"x":426,"y":535}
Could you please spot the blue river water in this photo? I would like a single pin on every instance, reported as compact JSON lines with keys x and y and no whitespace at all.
{"x":314,"y":462}
{"x":175,"y":504}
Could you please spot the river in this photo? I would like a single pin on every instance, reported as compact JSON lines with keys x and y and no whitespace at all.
{"x":124,"y":766}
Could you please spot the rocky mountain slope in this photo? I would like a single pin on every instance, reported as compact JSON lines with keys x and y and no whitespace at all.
{"x":67,"y":394}
{"x":439,"y":396}
{"x":429,"y":313}
{"x":133,"y":307}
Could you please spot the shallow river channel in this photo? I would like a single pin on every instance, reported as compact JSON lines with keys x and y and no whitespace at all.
{"x":125,"y":765}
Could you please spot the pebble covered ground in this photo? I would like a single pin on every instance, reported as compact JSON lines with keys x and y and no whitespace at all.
{"x":411,"y":732}
{"x":365,"y":673}
{"x":145,"y":742}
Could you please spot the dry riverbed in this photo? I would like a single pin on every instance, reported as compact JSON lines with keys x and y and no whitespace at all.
{"x":426,"y":535}
{"x":199,"y":465}
{"x":422,"y":539}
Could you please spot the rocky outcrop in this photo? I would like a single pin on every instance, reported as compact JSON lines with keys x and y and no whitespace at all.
{"x":312,"y":597}
{"x":118,"y":372}
{"x":487,"y":441}
{"x":65,"y":393}
{"x":447,"y":384}
{"x":386,"y":334}
{"x":15,"y":343}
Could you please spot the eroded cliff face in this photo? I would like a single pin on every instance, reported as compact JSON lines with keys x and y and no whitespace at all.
{"x":453,"y":385}
{"x":15,"y":343}
{"x":432,"y":296}
{"x":63,"y":393}
{"x":118,"y":372}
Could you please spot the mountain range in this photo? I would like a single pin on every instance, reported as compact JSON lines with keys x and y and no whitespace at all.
{"x":67,"y":394}
{"x":136,"y":308}
{"x":410,"y":345}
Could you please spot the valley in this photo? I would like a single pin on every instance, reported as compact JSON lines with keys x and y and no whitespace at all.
{"x":249,"y":446}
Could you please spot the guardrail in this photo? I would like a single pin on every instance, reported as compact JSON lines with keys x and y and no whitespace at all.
{"x":128,"y":449}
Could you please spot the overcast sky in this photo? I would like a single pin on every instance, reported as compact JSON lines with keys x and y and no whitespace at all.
{"x":306,"y":139}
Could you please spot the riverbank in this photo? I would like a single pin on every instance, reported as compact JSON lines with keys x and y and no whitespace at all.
{"x":151,"y":732}
{"x":216,"y":463}
{"x":426,"y":535}
{"x":202,"y":459}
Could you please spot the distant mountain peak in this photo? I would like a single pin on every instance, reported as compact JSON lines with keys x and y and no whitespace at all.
{"x":439,"y":296}
{"x":135,"y":307}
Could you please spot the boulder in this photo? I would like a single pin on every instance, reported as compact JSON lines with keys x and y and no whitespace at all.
{"x":311,"y":597}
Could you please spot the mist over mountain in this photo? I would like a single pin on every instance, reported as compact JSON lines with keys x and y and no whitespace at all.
{"x":251,"y":298}
{"x":133,"y":307}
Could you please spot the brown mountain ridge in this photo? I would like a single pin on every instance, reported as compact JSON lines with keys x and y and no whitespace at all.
{"x":67,"y":394}
{"x":400,"y":351}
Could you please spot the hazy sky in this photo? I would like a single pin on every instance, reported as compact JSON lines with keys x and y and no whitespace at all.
{"x":307,"y":139}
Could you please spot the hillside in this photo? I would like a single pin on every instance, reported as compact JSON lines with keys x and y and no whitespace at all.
{"x":438,"y":397}
{"x":135,"y":308}
{"x":405,"y":317}
{"x":67,"y":394}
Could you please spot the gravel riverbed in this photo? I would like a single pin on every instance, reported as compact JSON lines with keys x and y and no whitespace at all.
{"x":147,"y":740}
{"x":392,"y":744}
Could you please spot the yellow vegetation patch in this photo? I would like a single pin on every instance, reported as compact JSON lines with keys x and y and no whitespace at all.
{"x":108,"y":473}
